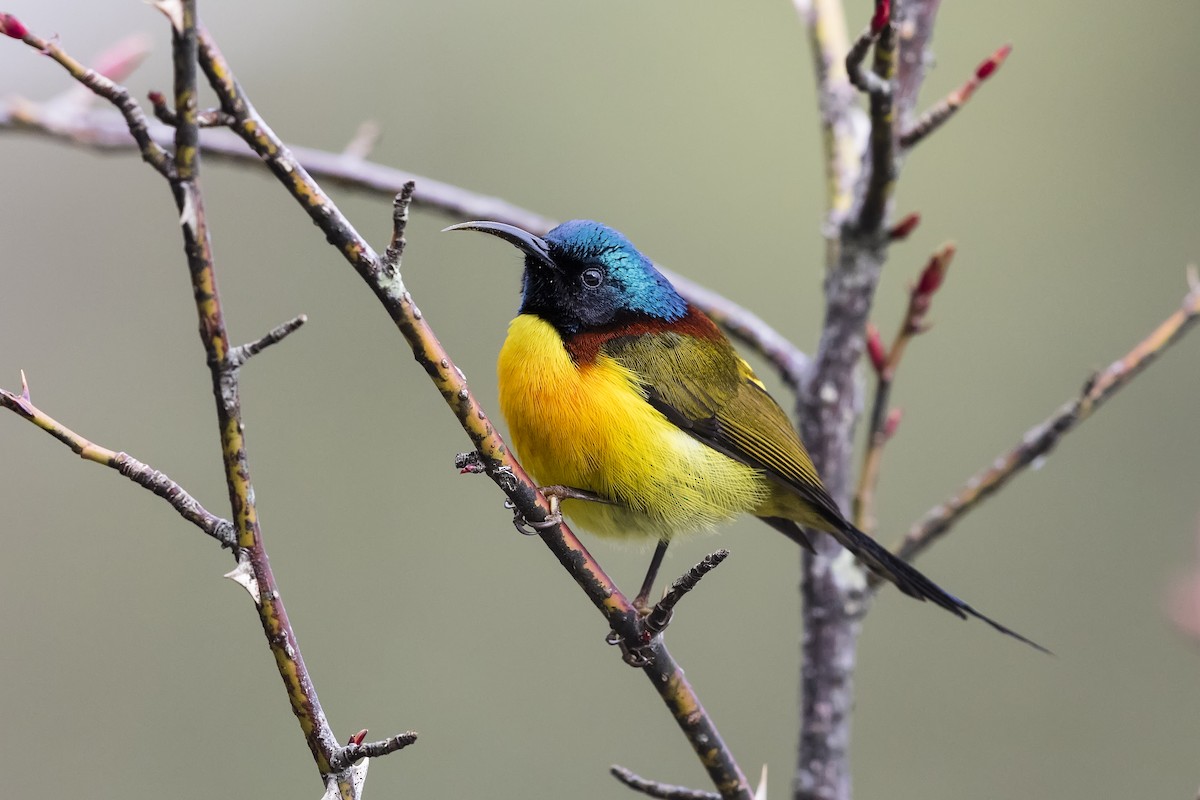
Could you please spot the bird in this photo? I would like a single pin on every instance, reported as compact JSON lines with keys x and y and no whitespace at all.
{"x":616,"y":387}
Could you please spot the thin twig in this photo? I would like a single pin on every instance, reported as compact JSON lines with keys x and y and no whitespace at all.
{"x":239,"y":355}
{"x":135,"y":119}
{"x":663,"y":791}
{"x":1041,"y":439}
{"x":364,"y":141}
{"x":182,"y":176}
{"x":747,"y":327}
{"x":872,"y":82}
{"x":104,"y":130}
{"x":208,"y":118}
{"x":142,"y":474}
{"x":886,"y":361}
{"x":881,"y":169}
{"x":948,"y":106}
{"x":841,"y":118}
{"x":660,"y":616}
{"x":833,"y":596}
{"x":386,"y":281}
{"x":346,"y":756}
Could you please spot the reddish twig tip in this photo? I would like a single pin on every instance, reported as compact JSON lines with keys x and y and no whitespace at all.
{"x":875,"y":348}
{"x":11,"y":26}
{"x":883,"y":15}
{"x":358,"y":738}
{"x":902,"y":229}
{"x":121,"y":60}
{"x":935,"y":271}
{"x":893,"y":422}
{"x":993,"y":63}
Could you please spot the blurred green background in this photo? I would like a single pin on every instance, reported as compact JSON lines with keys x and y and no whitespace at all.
{"x":130,"y":669}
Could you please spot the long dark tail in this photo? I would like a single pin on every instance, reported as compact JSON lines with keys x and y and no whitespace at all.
{"x":907,"y":578}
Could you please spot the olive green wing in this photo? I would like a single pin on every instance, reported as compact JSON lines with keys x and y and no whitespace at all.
{"x":705,"y":388}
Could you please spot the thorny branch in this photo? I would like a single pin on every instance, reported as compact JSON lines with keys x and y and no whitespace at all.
{"x":383,"y":277}
{"x":142,"y":474}
{"x":182,"y":171}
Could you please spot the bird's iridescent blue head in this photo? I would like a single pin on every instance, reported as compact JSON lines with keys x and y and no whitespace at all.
{"x":583,"y":275}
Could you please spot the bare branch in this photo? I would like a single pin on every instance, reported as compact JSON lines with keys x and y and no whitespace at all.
{"x":142,"y":474}
{"x":364,"y":141}
{"x":660,"y":616}
{"x":663,"y":791}
{"x":1041,"y":439}
{"x":841,"y":118}
{"x":747,"y":327}
{"x":883,"y":423}
{"x":135,"y":120}
{"x":106,"y":131}
{"x":833,"y":590}
{"x":384,"y":277}
{"x":881,"y":169}
{"x":948,"y":106}
{"x":208,"y":118}
{"x":352,"y":752}
{"x":395,"y":248}
{"x":869,"y":82}
{"x":243,"y":353}
{"x":914,"y":21}
{"x":222,"y":359}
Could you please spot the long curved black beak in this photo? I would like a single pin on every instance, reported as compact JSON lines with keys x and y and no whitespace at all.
{"x":533,"y":246}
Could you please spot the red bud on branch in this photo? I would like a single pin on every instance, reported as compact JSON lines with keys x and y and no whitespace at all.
{"x":357,"y":738}
{"x":883,"y":15}
{"x":987,"y":68}
{"x":875,"y":348}
{"x":11,"y":26}
{"x":892,"y":423}
{"x":934,"y":272}
{"x":904,"y":227}
{"x":921,"y":296}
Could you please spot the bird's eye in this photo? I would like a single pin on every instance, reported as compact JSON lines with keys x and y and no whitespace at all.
{"x":592,"y":277}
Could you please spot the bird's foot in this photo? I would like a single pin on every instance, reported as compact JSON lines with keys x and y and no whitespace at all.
{"x":656,"y":618}
{"x":634,"y":653}
{"x":554,"y":494}
{"x":532,"y":528}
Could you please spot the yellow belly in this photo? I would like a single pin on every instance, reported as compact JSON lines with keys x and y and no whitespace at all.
{"x":590,"y":428}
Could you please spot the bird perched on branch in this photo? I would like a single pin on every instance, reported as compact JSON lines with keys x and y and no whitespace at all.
{"x":613,"y":384}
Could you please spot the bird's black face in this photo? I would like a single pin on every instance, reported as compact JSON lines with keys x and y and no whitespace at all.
{"x":580,"y":293}
{"x":584,"y":275}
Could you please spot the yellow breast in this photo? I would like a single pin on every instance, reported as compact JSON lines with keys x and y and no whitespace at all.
{"x":589,"y":427}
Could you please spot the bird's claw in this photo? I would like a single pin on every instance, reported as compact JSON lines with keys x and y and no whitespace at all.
{"x":656,"y":622}
{"x":634,"y":655}
{"x":530,"y":528}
